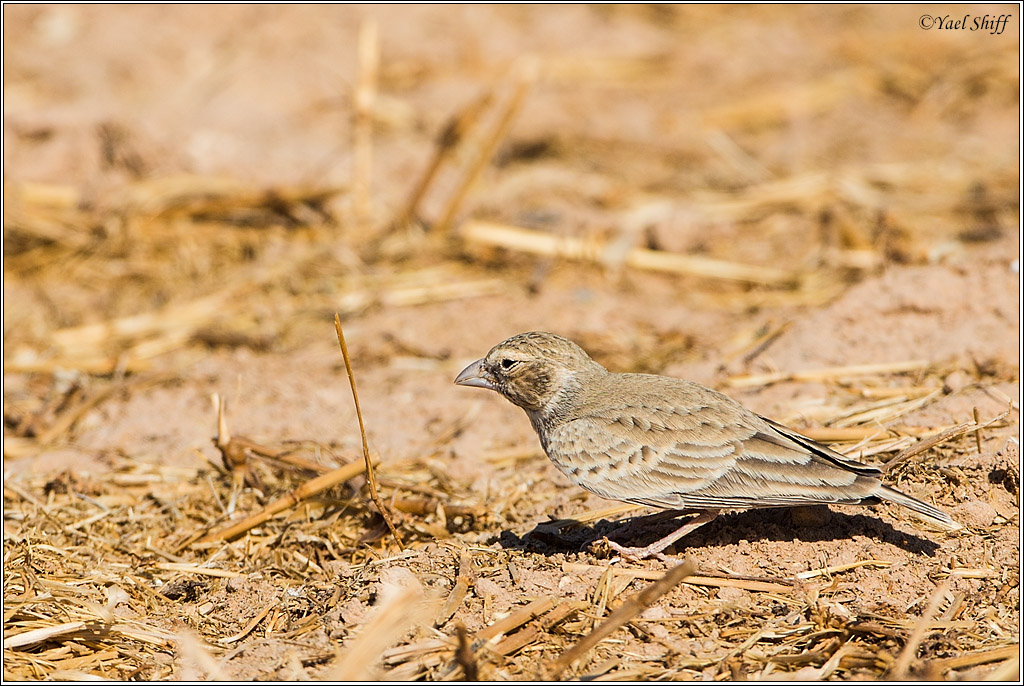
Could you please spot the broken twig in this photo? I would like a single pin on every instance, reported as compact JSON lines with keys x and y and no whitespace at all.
{"x":629,"y":609}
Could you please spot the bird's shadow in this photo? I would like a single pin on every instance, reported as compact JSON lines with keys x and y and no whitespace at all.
{"x":565,"y":536}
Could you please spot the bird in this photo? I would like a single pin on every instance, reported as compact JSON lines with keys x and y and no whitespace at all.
{"x":672,"y":444}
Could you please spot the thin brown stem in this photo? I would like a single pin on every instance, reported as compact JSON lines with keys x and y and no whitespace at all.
{"x":371,"y":480}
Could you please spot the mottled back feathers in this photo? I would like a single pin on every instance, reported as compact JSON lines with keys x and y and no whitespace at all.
{"x":666,"y":442}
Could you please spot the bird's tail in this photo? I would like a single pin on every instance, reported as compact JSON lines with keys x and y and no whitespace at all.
{"x":927,"y":512}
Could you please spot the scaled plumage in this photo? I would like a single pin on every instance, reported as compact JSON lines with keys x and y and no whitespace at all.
{"x":666,"y":442}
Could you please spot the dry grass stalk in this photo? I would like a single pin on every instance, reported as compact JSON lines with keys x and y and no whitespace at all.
{"x":202,"y":198}
{"x":888,"y":410}
{"x":782,"y":586}
{"x":756,"y":342}
{"x":236,"y":450}
{"x":307,"y":490}
{"x":366,"y":93}
{"x":250,"y":625}
{"x":81,"y":405}
{"x":941,"y":437}
{"x":197,"y":662}
{"x":90,"y":365}
{"x":456,"y":128}
{"x":1010,"y":652}
{"x":233,"y":453}
{"x":518,"y":640}
{"x":1009,"y":670}
{"x":524,"y":74}
{"x":977,"y":432}
{"x":539,"y":618}
{"x":854,"y":186}
{"x":515,"y":620}
{"x":454,"y":601}
{"x":408,"y":554}
{"x":509,"y":458}
{"x":902,"y":666}
{"x":572,"y":69}
{"x":871,"y":411}
{"x":743,"y":647}
{"x":464,"y":655}
{"x":610,"y":586}
{"x":169,"y":321}
{"x":970,"y":572}
{"x":409,"y":651}
{"x":440,"y":292}
{"x":780,"y":104}
{"x":562,"y":612}
{"x":408,"y":289}
{"x":866,"y":448}
{"x":629,"y":609}
{"x":66,"y":420}
{"x":745,"y":584}
{"x":827,"y":669}
{"x":429,"y":506}
{"x":370,"y":478}
{"x":887,"y":392}
{"x":188,"y":568}
{"x":126,"y":344}
{"x":827,"y":374}
{"x":835,"y":569}
{"x":548,"y":245}
{"x":41,"y":635}
{"x":829,"y":434}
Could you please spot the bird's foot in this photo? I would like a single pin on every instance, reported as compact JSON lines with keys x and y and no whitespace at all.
{"x":656,"y":549}
{"x":630,"y":554}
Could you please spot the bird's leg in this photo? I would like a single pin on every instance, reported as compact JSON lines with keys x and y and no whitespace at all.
{"x":655,"y":549}
{"x":604,"y":544}
{"x":630,"y":523}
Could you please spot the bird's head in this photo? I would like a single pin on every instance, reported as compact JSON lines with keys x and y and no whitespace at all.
{"x":529,"y":369}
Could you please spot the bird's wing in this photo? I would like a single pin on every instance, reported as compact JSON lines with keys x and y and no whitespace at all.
{"x":823,"y":451}
{"x":712,"y":455}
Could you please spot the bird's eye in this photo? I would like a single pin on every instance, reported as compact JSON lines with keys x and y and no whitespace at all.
{"x":508,"y":364}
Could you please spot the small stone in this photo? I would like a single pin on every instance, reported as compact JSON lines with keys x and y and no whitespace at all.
{"x":399,"y":576}
{"x":353,"y":612}
{"x":485,"y":586}
{"x":954,"y":381}
{"x":393,"y":579}
{"x":337,"y":568}
{"x":656,"y":612}
{"x":729,"y":594}
{"x":658,"y":630}
{"x":976,"y":513}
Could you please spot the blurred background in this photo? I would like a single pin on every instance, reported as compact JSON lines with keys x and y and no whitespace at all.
{"x":150,"y":153}
{"x":674,"y":186}
{"x":193,"y":192}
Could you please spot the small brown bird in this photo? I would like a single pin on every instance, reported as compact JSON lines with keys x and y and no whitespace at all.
{"x":669,"y":443}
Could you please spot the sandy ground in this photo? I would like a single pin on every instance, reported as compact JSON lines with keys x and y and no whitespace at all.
{"x":848,"y":145}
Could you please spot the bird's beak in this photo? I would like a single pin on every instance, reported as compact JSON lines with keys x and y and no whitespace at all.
{"x":474,"y":375}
